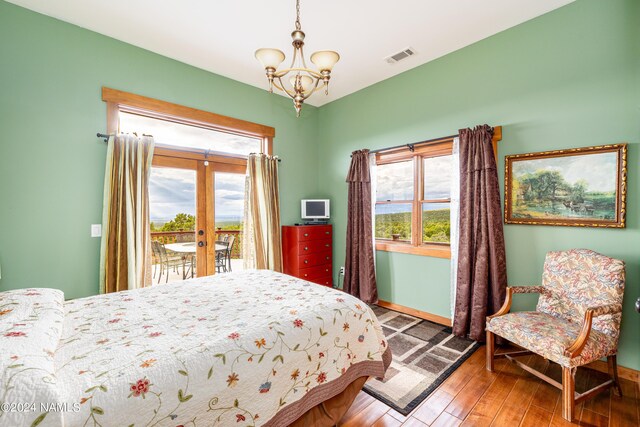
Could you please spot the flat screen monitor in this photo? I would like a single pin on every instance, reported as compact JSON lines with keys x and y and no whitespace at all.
{"x":315,"y":209}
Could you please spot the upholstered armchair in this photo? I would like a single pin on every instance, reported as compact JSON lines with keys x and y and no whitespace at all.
{"x":577,"y":320}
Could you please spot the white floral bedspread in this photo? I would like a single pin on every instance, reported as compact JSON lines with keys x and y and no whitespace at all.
{"x":243,"y":349}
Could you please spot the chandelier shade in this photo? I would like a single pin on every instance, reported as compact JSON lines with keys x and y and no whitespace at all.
{"x":270,"y":58}
{"x":303,"y":81}
{"x":325,"y":59}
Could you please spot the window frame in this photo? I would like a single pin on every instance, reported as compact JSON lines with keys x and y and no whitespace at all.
{"x":434,"y":148}
{"x":204,"y":162}
{"x":416,"y":246}
{"x":162,"y":110}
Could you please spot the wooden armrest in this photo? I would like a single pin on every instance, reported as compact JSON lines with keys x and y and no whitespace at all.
{"x":515,"y":290}
{"x":576,"y":348}
{"x":601,"y":310}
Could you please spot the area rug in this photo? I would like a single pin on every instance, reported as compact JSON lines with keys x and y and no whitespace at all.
{"x":424,"y":355}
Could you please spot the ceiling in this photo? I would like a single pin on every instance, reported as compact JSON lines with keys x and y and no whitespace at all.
{"x":221,"y":36}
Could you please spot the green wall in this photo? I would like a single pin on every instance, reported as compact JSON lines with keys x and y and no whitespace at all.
{"x":570,"y":78}
{"x":51,"y":163}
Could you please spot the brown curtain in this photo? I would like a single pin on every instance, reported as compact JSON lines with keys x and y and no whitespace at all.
{"x":359,"y":274}
{"x":482,"y":272}
{"x":262,"y":245}
{"x":125,"y":253}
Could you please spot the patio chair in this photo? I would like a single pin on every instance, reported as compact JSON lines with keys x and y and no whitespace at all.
{"x":166,"y":261}
{"x":577,"y":320}
{"x":232,"y":239}
{"x":221,"y":257}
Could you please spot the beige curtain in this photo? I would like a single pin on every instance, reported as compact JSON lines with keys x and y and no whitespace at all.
{"x":262,"y":244}
{"x":125,"y":253}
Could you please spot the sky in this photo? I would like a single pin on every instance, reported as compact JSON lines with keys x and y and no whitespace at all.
{"x":395,"y":180}
{"x":599,"y":169}
{"x":173,"y":191}
{"x":179,"y":135}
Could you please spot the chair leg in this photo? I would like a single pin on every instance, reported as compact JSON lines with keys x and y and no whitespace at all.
{"x":490,"y":348}
{"x":568,"y":393}
{"x":612,"y":362}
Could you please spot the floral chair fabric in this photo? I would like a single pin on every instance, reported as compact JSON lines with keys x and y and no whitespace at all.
{"x":573,"y":281}
{"x":549,"y":336}
{"x":578,"y":279}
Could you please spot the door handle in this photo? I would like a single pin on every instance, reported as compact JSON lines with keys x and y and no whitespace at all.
{"x":201,"y":243}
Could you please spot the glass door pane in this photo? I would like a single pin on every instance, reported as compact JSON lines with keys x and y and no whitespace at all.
{"x":229,"y":207}
{"x":172,"y":211}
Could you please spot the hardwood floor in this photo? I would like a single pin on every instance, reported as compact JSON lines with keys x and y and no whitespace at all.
{"x":508,"y":397}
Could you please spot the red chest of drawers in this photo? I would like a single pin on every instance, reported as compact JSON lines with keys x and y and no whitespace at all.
{"x":307,"y":252}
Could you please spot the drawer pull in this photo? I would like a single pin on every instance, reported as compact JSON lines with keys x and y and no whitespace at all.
{"x":305,"y":275}
{"x":327,"y":232}
{"x":306,"y":234}
{"x":306,"y":261}
{"x":327,"y":245}
{"x":327,"y":257}
{"x":326,"y":270}
{"x":306,"y":248}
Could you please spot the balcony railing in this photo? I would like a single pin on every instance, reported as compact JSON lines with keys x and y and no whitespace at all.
{"x":167,"y":237}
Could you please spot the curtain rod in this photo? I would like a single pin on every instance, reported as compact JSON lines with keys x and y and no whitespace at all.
{"x":411,"y":147}
{"x":106,"y":139}
{"x":104,"y":135}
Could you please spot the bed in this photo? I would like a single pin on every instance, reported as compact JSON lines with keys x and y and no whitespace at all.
{"x":253,"y":348}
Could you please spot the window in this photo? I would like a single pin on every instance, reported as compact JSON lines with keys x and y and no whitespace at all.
{"x":413,"y":195}
{"x":171,"y":134}
{"x":196,"y":187}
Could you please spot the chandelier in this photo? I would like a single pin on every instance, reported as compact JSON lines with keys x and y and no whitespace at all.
{"x":303,"y":80}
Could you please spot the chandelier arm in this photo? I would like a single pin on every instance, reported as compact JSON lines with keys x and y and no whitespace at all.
{"x":283,"y":88}
{"x":295,"y":55}
{"x":312,"y":73}
{"x":304,"y":63}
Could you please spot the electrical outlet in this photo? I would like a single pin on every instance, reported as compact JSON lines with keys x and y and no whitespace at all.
{"x":341,"y":271}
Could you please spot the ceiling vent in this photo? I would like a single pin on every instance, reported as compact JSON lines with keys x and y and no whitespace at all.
{"x":403,"y":54}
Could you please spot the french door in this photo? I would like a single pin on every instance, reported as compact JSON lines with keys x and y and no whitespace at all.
{"x":183,"y":187}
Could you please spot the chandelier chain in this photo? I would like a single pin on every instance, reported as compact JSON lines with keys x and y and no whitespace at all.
{"x":298,"y":27}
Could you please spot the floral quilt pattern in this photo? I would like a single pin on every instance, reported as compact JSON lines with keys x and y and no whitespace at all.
{"x":30,"y":328}
{"x":225,"y":350}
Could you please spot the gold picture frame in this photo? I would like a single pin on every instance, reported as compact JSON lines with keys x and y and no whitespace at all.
{"x":576,"y":187}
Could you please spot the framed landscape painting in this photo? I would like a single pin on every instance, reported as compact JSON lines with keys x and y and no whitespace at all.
{"x":584,"y":187}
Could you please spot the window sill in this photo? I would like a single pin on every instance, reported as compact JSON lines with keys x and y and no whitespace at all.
{"x":436,"y":251}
